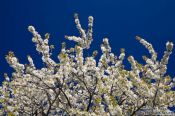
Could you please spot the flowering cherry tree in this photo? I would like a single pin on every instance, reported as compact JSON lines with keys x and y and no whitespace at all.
{"x":78,"y":85}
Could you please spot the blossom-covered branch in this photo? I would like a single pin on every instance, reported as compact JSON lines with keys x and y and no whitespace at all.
{"x":78,"y":85}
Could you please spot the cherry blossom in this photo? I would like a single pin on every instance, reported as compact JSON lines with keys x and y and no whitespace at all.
{"x":79,"y":85}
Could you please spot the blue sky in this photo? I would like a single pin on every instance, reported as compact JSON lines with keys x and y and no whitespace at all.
{"x":119,"y":20}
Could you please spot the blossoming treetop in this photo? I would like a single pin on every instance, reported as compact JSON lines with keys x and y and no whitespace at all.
{"x":78,"y":85}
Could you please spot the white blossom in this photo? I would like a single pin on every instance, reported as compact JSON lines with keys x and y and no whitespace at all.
{"x":80,"y":85}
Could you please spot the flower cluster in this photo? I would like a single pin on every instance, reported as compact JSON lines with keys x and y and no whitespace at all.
{"x":79,"y":85}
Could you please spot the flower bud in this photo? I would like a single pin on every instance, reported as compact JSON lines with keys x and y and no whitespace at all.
{"x":130,"y":58}
{"x":144,"y":58}
{"x":47,"y":36}
{"x":169,"y":46}
{"x":63,"y":45}
{"x":31,"y":28}
{"x":138,"y":38}
{"x":95,"y":53}
{"x":6,"y":77}
{"x":122,"y":50}
{"x":76,"y":15}
{"x":105,"y":41}
{"x":90,"y":19}
{"x":52,"y":46}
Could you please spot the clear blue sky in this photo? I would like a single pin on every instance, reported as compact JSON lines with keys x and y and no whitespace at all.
{"x":119,"y":20}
